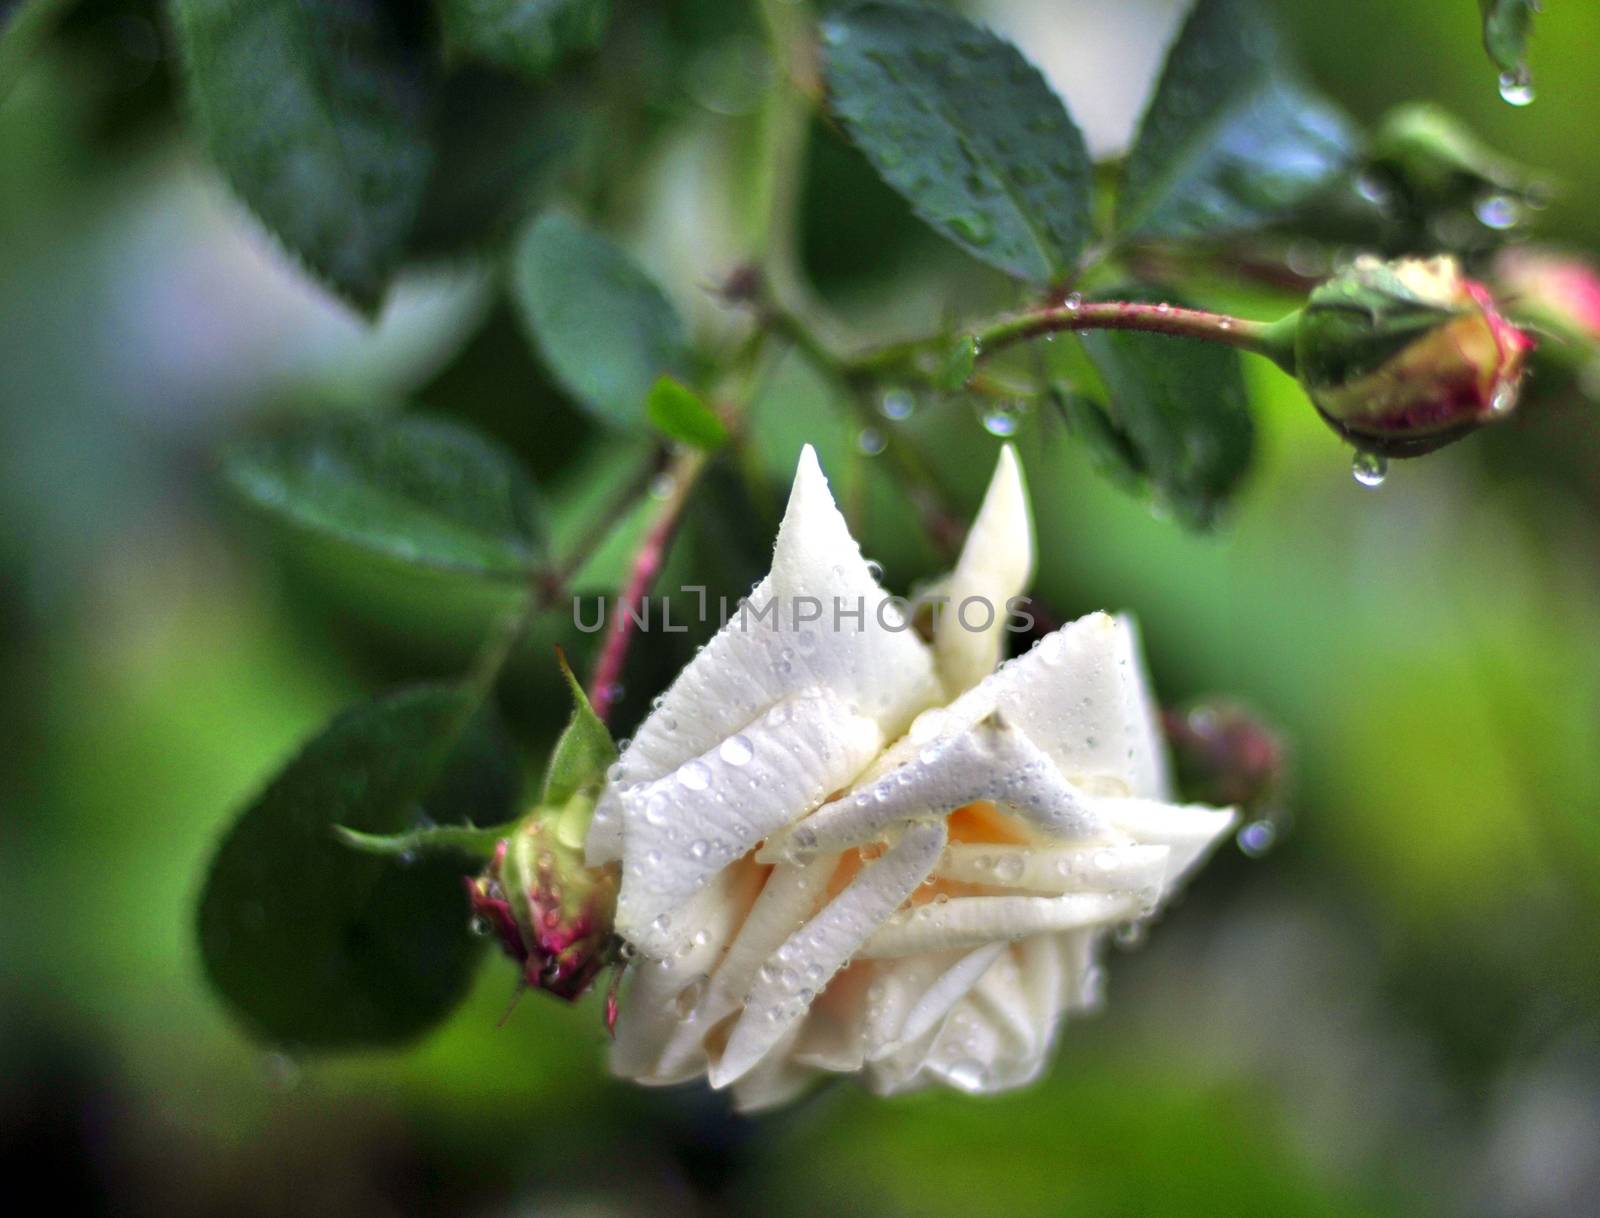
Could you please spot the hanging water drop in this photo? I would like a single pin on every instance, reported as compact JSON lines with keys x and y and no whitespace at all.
{"x":1497,"y":211}
{"x":1516,"y":86}
{"x":1000,"y":420}
{"x":1256,"y":838}
{"x":896,"y":404}
{"x":1369,"y":469}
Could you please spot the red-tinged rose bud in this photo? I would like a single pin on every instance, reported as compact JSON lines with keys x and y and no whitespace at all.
{"x":549,"y":912}
{"x":1552,"y":291}
{"x":1226,"y":755}
{"x":1404,"y":357}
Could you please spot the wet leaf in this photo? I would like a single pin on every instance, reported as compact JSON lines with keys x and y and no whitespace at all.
{"x":1177,"y":412}
{"x":957,"y":121}
{"x":527,"y":36}
{"x":315,"y":945}
{"x":1506,"y":26}
{"x":422,"y":491}
{"x":603,"y":328}
{"x":316,"y":116}
{"x":678,"y":412}
{"x":1232,"y":138}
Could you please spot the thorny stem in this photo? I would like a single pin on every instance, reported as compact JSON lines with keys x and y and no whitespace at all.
{"x":605,"y":685}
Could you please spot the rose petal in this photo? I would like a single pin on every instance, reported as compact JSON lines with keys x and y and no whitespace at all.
{"x":970,"y":921}
{"x":995,"y":565}
{"x":808,"y":959}
{"x":1056,"y":869}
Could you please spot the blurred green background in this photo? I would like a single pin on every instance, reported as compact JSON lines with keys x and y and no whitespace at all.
{"x":1394,"y":1012}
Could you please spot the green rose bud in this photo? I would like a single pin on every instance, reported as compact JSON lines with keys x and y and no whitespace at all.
{"x":1404,"y":357}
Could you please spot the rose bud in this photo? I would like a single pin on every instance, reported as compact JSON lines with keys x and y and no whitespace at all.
{"x":1404,"y":357}
{"x":1552,"y":291}
{"x":549,"y":912}
{"x":1225,"y":755}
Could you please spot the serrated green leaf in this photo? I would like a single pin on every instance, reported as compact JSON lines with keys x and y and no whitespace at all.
{"x":1232,"y":138}
{"x":24,"y":26}
{"x":1506,"y":26}
{"x":527,"y":36}
{"x":315,"y":945}
{"x":957,"y":121}
{"x":316,"y":116}
{"x":603,"y":328}
{"x":584,"y":750}
{"x":1181,"y":410}
{"x":679,"y":413}
{"x":422,"y":491}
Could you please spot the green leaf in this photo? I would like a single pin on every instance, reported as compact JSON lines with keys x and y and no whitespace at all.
{"x":678,"y":412}
{"x":24,"y":26}
{"x":1180,"y":409}
{"x":957,"y":121}
{"x":1506,"y":26}
{"x":315,"y":945}
{"x":315,"y":114}
{"x":527,"y":36}
{"x":1232,"y":138}
{"x":603,"y":328}
{"x":421,"y":491}
{"x":584,"y":750}
{"x":501,"y":144}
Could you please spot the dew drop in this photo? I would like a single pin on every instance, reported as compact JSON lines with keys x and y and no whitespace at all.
{"x":1497,"y":211}
{"x":1369,"y":469}
{"x":1516,"y":86}
{"x":896,"y":404}
{"x":1073,"y":302}
{"x":694,"y":775}
{"x":700,"y":848}
{"x":870,"y":442}
{"x":737,"y":750}
{"x":967,"y":1074}
{"x":1256,"y":838}
{"x":1009,"y":868}
{"x":1504,"y":400}
{"x":1000,"y":420}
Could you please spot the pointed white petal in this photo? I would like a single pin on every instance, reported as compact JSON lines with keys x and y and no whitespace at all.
{"x":989,"y":761}
{"x":684,"y":828}
{"x":790,"y":896}
{"x":818,"y":621}
{"x":1150,"y":776}
{"x":971,"y":921}
{"x":1056,"y":869}
{"x":1189,"y":831}
{"x":810,"y":957}
{"x":996,"y":564}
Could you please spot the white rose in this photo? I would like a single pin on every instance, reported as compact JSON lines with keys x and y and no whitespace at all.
{"x":844,"y":849}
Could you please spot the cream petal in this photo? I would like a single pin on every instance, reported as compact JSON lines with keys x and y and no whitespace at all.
{"x":685,"y":827}
{"x":809,"y":958}
{"x":970,"y":921}
{"x":995,"y":565}
{"x":990,"y":761}
{"x":777,"y":1080}
{"x":654,"y":1042}
{"x":790,"y":896}
{"x":1056,"y":869}
{"x":1189,"y":831}
{"x":947,"y":989}
{"x":1151,"y":777}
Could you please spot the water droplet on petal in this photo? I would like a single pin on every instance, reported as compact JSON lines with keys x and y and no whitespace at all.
{"x":737,"y":750}
{"x":694,"y":775}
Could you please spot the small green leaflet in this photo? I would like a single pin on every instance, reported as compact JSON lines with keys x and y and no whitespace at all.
{"x":957,"y":121}
{"x":418,"y":490}
{"x":316,"y":116}
{"x":602,"y":327}
{"x":1232,"y":139}
{"x":679,"y":413}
